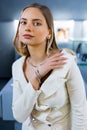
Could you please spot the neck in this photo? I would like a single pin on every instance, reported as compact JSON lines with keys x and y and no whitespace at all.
{"x":37,"y":55}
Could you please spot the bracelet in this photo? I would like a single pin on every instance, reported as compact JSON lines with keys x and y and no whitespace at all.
{"x":38,"y":76}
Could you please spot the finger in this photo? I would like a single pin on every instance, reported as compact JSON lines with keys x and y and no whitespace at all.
{"x":57,"y":59}
{"x":61,"y":58}
{"x":59,"y":63}
{"x":57,"y":66}
{"x":55,"y":55}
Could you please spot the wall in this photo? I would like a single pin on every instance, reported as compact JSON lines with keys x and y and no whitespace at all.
{"x":7,"y":52}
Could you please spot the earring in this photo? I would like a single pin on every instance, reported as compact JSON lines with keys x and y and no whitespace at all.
{"x":48,"y":37}
{"x":24,"y":46}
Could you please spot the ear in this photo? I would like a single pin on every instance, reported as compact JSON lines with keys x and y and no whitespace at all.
{"x":49,"y":34}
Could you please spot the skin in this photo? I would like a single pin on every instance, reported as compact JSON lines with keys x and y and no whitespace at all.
{"x":33,"y":31}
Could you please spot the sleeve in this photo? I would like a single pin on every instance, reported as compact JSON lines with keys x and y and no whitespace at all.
{"x":23,"y":99}
{"x":77,"y":95}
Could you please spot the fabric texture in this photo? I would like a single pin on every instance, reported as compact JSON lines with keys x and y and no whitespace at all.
{"x":60,"y":104}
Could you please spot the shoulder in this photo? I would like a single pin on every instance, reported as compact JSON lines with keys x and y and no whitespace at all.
{"x":69,"y":51}
{"x":70,"y":54}
{"x":17,"y":67}
{"x":19,"y":62}
{"x":71,"y":58}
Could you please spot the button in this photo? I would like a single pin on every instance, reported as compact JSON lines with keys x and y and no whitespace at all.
{"x":49,"y":125}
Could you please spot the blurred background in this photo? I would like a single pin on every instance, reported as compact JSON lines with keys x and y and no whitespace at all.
{"x":70,"y":24}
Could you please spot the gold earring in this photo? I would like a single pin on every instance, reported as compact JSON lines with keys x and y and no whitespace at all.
{"x":48,"y":37}
{"x":24,"y":46}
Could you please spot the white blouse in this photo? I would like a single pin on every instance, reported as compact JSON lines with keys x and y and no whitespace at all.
{"x":60,"y":104}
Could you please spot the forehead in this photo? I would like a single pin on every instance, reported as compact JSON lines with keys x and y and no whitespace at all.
{"x":32,"y":13}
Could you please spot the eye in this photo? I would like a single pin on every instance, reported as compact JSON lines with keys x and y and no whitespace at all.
{"x":37,"y":24}
{"x":23,"y":22}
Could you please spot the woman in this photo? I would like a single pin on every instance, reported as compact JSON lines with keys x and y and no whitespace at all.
{"x":48,"y":89}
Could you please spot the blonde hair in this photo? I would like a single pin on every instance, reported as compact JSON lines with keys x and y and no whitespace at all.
{"x":51,"y":43}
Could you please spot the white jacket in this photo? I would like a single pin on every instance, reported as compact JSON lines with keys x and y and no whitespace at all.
{"x":60,"y":104}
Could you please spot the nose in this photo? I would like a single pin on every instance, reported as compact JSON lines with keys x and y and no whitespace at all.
{"x":29,"y":26}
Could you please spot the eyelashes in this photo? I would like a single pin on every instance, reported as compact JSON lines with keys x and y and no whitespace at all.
{"x":35,"y":23}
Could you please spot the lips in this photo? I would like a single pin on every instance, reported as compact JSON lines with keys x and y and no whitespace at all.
{"x":28,"y":36}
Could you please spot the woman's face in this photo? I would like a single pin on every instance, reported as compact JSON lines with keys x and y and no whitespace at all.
{"x":33,"y":29}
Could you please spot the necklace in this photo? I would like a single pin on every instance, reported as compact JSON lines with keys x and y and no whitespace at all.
{"x":35,"y":66}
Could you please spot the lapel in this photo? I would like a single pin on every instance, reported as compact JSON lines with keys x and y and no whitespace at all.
{"x":52,"y":84}
{"x":21,"y":76}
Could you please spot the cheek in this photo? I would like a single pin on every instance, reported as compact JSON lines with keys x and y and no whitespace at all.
{"x":20,"y":35}
{"x":42,"y":34}
{"x":20,"y":31}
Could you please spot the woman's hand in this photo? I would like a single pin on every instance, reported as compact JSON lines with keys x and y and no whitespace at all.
{"x":56,"y":61}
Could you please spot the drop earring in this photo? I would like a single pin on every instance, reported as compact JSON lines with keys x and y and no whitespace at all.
{"x":24,"y":46}
{"x":48,"y":37}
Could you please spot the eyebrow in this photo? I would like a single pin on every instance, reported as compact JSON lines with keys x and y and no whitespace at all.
{"x":37,"y":20}
{"x":23,"y":19}
{"x":32,"y":19}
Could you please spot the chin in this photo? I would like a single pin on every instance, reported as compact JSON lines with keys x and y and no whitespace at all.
{"x":26,"y":42}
